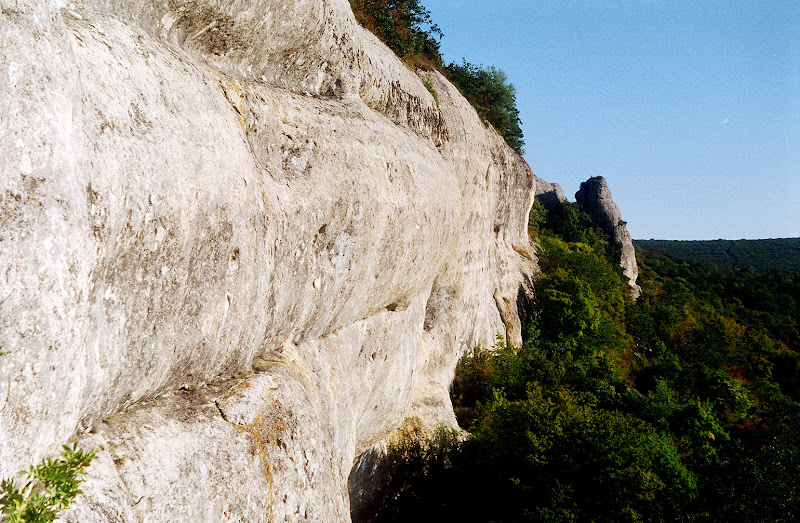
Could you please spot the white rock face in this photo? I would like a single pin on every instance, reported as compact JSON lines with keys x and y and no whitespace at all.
{"x":186,"y":186}
{"x":594,"y":197}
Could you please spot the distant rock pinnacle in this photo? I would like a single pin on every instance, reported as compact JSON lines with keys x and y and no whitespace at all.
{"x":594,"y":197}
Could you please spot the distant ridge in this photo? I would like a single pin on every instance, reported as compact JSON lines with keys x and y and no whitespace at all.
{"x":777,"y":253}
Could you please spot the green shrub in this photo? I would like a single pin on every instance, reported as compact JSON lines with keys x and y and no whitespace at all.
{"x":418,"y":463}
{"x":495,"y":99}
{"x":429,"y":86}
{"x":46,"y":488}
{"x":559,"y":457}
{"x":403,"y":25}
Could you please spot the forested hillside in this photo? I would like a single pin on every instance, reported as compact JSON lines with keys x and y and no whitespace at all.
{"x":681,"y":406}
{"x":780,"y":253}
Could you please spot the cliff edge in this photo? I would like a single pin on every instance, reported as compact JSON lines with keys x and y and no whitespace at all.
{"x":241,"y":243}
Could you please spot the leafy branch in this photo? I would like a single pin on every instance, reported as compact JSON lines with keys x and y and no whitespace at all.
{"x":403,"y":25}
{"x":46,"y":489}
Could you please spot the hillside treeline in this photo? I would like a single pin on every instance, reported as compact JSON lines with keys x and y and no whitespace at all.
{"x":681,"y":406}
{"x":777,"y":253}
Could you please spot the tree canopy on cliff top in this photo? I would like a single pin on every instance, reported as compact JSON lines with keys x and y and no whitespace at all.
{"x":406,"y":27}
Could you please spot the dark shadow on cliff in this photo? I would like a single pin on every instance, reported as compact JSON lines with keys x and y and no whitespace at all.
{"x":419,"y":477}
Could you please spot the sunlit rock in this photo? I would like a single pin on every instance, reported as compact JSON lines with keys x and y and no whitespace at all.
{"x":594,"y":197}
{"x":188,"y":187}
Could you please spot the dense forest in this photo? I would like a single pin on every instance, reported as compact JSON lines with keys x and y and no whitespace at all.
{"x":681,"y":406}
{"x":777,"y":253}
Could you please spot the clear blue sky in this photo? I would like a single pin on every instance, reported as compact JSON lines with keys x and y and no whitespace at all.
{"x":690,"y":108}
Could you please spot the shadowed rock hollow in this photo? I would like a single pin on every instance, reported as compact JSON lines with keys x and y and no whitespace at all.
{"x":188,"y":187}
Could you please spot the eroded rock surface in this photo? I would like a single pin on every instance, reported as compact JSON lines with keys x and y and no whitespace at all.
{"x":186,"y":186}
{"x":550,"y":195}
{"x":594,"y":197}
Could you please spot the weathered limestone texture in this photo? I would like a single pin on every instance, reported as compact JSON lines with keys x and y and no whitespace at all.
{"x":189,"y":186}
{"x":594,"y":197}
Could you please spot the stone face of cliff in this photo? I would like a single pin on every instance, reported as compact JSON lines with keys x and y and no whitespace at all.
{"x":550,"y":195}
{"x":594,"y":197}
{"x":188,"y":187}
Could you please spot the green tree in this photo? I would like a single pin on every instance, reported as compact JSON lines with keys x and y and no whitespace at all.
{"x":681,"y":406}
{"x":46,"y":488}
{"x":493,"y":96}
{"x":403,"y":25}
{"x":567,"y":309}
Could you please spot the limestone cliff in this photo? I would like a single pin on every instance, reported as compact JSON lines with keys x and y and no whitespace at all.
{"x":594,"y":197}
{"x":191,"y":186}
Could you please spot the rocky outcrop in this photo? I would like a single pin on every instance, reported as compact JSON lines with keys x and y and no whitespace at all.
{"x":550,"y":195}
{"x":190,"y":186}
{"x":594,"y":197}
